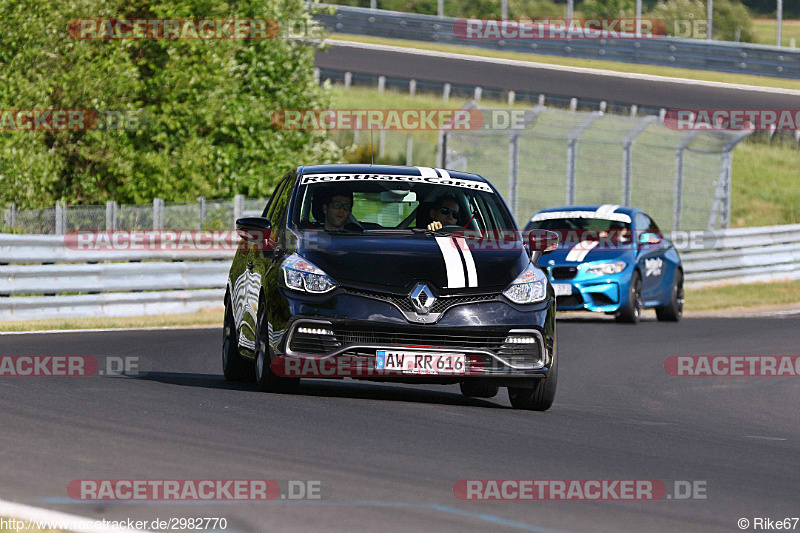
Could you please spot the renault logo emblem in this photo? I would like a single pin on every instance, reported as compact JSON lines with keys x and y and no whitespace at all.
{"x":422,"y":299}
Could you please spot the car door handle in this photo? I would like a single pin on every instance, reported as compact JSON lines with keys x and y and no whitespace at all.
{"x":250,"y":266}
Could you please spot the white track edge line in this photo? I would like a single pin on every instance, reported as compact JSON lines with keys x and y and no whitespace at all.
{"x":106,"y":330}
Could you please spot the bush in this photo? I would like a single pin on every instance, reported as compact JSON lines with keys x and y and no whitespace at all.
{"x":609,"y":8}
{"x":207,"y":104}
{"x":729,"y":15}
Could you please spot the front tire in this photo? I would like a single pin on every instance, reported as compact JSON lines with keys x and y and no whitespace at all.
{"x":266,"y":379}
{"x":539,"y":398}
{"x":234,"y":367}
{"x":631,"y":311}
{"x":673,"y":311}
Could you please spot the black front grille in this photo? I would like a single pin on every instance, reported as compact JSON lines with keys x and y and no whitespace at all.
{"x":569,"y":301}
{"x":312,"y":344}
{"x":564,"y":272}
{"x":442,"y":303}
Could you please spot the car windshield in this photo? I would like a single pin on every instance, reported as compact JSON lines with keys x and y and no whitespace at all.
{"x":578,"y":229}
{"x":381,"y":203}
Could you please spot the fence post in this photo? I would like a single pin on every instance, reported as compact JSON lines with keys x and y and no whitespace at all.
{"x":727,"y":165}
{"x":316,"y":76}
{"x":348,"y":79}
{"x":634,"y":110}
{"x":409,"y":149}
{"x":381,"y":84}
{"x":446,"y":92}
{"x":202,"y":201}
{"x":12,"y":215}
{"x":441,"y":150}
{"x":511,"y":97}
{"x":61,"y":218}
{"x":541,"y":99}
{"x":513,"y":172}
{"x":573,"y":104}
{"x":478,"y":93}
{"x":158,"y":213}
{"x":111,"y":215}
{"x":238,"y":206}
{"x":381,"y":142}
{"x":412,"y":88}
{"x":627,"y":157}
{"x":572,"y":153}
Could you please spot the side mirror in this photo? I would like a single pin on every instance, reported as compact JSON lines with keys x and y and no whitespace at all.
{"x":540,"y":242}
{"x":649,"y":237}
{"x":256,"y":232}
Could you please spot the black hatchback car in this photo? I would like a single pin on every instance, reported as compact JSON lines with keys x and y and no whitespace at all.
{"x":390,"y":273}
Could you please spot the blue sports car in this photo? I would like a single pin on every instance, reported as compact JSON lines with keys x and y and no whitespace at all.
{"x":613,"y":260}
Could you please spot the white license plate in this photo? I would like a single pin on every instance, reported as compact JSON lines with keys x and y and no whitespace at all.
{"x":562,"y":289}
{"x":421,"y":363}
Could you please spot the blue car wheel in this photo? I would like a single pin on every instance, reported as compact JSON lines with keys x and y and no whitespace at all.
{"x":631,"y":309}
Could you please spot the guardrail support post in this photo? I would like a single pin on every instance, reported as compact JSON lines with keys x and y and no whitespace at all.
{"x":409,"y":149}
{"x":111,"y":215}
{"x":61,"y":218}
{"x":634,"y":110}
{"x":573,"y":104}
{"x":158,"y":213}
{"x":238,"y":206}
{"x":513,"y":172}
{"x":446,"y":92}
{"x":511,"y":97}
{"x":348,"y":79}
{"x":316,"y":76}
{"x":478,"y":93}
{"x":381,"y":84}
{"x":541,"y":99}
{"x":412,"y":88}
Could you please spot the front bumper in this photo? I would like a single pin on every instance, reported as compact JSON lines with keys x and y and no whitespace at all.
{"x":340,"y":337}
{"x":599,"y":294}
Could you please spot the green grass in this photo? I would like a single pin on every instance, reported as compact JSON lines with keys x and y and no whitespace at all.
{"x":765,"y":186}
{"x":748,"y":295}
{"x":764,"y":31}
{"x":706,"y":75}
{"x":766,"y":189}
{"x":202,"y":318}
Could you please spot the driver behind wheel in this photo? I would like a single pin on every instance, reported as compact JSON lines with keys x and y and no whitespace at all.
{"x":444,"y":213}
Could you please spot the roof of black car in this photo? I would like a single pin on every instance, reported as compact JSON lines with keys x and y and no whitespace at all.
{"x":397,"y":170}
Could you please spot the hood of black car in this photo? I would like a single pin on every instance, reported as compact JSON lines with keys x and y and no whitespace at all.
{"x":398,"y":260}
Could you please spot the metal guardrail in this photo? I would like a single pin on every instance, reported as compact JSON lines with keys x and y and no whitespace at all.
{"x":30,"y":290}
{"x":720,"y":56}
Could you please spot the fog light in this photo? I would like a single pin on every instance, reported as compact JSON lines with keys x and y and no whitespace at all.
{"x":314,"y":331}
{"x":520,"y":340}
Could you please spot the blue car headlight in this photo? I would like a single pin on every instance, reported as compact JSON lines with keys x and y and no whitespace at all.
{"x":529,"y":287}
{"x":303,"y":275}
{"x":605,"y":269}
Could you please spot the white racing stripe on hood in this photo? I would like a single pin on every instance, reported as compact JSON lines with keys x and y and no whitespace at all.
{"x":427,"y":172}
{"x":579,"y":251}
{"x":606,"y":209}
{"x":443,"y":173}
{"x":472,"y":273}
{"x":452,"y":262}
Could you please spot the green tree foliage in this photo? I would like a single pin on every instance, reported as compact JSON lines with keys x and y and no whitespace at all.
{"x":205,"y":106}
{"x":608,"y":8}
{"x":729,"y":16}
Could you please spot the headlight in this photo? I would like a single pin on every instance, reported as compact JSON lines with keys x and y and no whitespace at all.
{"x":529,"y":287}
{"x":302,"y":275}
{"x":605,"y":269}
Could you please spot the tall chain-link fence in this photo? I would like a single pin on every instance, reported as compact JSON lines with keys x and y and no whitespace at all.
{"x":559,"y":157}
{"x":62,"y":218}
